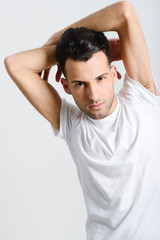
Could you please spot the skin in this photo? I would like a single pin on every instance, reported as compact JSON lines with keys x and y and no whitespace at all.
{"x":91,"y":83}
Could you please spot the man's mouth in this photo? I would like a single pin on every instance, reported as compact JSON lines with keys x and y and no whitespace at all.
{"x":96,"y":106}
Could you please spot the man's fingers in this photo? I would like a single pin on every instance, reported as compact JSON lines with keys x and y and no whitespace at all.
{"x":114,"y":42}
{"x":115,"y":49}
{"x":58,"y":74}
{"x":46,"y":74}
{"x":40,"y":74}
{"x":119,"y":75}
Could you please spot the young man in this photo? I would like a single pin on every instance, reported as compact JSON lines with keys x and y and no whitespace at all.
{"x":113,"y":139}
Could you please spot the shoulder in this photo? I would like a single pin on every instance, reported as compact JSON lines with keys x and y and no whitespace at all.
{"x":70,"y":109}
{"x":134,"y":91}
{"x":70,"y":115}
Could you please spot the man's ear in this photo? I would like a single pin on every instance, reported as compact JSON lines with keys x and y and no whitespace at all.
{"x":65,"y":85}
{"x":114,"y":73}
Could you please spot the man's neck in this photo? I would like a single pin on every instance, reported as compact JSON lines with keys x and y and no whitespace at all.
{"x":114,"y":105}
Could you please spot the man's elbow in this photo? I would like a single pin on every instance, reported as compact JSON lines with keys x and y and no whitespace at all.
{"x":128,"y":10}
{"x":10,"y":64}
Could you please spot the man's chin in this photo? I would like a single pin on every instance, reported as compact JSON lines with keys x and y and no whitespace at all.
{"x":96,"y":115}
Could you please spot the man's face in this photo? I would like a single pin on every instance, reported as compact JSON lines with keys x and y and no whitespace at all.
{"x":91,"y":84}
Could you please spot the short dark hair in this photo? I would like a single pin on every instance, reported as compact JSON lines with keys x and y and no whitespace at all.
{"x":80,"y":44}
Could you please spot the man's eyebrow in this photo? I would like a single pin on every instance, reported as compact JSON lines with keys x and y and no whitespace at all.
{"x":102,"y":75}
{"x":79,"y":81}
{"x":76,"y":81}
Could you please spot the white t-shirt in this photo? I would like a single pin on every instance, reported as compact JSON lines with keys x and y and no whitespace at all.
{"x":118,"y":164}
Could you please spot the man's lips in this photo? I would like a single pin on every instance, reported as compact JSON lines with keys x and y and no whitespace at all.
{"x":96,"y":106}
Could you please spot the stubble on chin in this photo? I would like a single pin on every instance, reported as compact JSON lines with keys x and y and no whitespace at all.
{"x":96,"y":115}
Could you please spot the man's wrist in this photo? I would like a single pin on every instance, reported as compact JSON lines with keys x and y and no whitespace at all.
{"x":54,"y":38}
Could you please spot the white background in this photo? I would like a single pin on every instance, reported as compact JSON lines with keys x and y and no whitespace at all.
{"x":40,"y":195}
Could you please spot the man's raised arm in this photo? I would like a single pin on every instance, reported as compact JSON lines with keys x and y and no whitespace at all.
{"x":122,"y":18}
{"x":24,"y":68}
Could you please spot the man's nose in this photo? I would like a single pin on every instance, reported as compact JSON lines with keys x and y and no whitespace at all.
{"x":92,"y":92}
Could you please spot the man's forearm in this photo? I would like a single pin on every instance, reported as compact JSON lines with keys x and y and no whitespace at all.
{"x":107,"y":19}
{"x":33,"y":60}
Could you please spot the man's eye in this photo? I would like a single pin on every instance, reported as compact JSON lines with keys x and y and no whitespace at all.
{"x":79,"y":84}
{"x":100,"y":78}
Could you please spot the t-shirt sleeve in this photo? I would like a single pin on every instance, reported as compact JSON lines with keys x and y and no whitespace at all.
{"x":67,"y":113}
{"x":134,"y":91}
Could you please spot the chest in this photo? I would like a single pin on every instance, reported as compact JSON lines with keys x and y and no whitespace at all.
{"x":133,"y":129}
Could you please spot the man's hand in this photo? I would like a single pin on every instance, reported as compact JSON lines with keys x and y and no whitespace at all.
{"x":115,"y":52}
{"x":51,"y":41}
{"x":45,"y":74}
